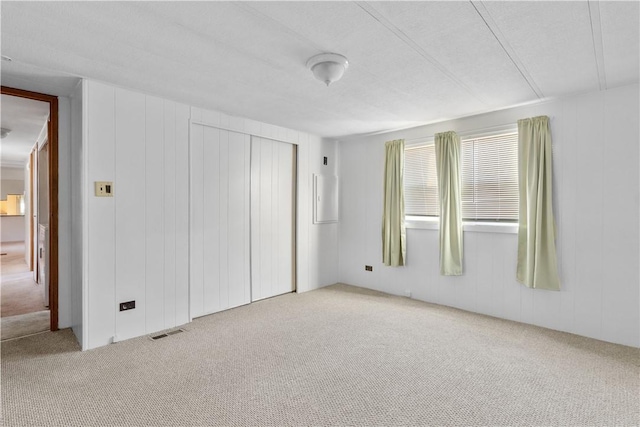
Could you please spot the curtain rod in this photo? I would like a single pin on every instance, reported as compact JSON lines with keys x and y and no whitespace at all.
{"x":496,"y":128}
{"x":488,"y":129}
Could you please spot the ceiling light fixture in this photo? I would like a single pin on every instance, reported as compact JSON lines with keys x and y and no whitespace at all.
{"x":4,"y":132}
{"x":328,"y":67}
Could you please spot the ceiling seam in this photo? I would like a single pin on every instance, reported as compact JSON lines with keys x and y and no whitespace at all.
{"x":413,"y":45}
{"x":502,"y":40}
{"x":598,"y":47}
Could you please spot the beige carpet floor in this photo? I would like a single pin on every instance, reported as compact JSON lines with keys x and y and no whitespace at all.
{"x":25,"y":324}
{"x":19,"y":293}
{"x":335,"y":356}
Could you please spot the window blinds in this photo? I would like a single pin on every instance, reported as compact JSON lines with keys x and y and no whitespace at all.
{"x":489,"y":179}
{"x":421,"y":181}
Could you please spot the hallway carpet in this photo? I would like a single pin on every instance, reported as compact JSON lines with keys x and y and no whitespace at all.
{"x":19,"y":293}
{"x":25,"y":324}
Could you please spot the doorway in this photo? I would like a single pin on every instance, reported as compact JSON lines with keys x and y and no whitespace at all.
{"x":33,"y":258}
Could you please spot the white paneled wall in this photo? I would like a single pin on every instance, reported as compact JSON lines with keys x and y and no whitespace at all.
{"x":220,"y":209}
{"x":272,"y":220}
{"x":135,"y":243}
{"x":99,"y":232}
{"x":130,"y":203}
{"x":596,"y":149}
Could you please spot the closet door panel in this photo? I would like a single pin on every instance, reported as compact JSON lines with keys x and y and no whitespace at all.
{"x":272,"y":216}
{"x":196,"y":222}
{"x":220,"y":188}
{"x":211,"y":220}
{"x":238,"y":219}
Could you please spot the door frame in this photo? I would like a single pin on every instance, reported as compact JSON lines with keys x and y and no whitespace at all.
{"x":52,"y":129}
{"x":32,"y":165}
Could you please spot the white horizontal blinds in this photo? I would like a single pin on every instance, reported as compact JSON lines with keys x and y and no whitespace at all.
{"x":490,"y":178}
{"x":420,"y":181}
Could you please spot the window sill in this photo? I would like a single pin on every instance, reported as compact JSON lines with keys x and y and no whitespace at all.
{"x":422,"y":223}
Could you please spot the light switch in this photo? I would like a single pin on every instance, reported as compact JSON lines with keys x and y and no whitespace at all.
{"x":104,"y":189}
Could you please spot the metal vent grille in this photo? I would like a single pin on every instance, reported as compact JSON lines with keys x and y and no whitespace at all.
{"x":166,"y":334}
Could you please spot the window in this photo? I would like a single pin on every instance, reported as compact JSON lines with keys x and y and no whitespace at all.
{"x":420,"y":181}
{"x":489,"y":179}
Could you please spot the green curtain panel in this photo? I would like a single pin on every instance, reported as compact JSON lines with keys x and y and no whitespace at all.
{"x":394,"y":247}
{"x":537,"y":263}
{"x":448,"y":167}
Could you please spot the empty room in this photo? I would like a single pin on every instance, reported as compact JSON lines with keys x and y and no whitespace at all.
{"x":307,"y":213}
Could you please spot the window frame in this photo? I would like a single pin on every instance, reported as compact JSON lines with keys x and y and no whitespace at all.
{"x":483,"y":226}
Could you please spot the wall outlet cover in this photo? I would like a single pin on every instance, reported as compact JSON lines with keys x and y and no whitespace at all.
{"x":104,"y":188}
{"x":129,"y":305}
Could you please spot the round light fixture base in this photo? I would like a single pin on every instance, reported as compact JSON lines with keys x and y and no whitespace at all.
{"x":328,"y":67}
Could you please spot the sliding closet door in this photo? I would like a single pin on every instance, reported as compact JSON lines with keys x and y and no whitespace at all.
{"x":272,"y":218}
{"x":219,"y":226}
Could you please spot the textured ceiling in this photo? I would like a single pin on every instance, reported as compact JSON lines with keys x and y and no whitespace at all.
{"x":25,"y":118}
{"x":410,"y":62}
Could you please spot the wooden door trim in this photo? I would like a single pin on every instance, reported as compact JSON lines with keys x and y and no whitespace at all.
{"x":52,"y":128}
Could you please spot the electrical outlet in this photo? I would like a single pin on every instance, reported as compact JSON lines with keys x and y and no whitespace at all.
{"x":129,"y":305}
{"x":368,"y":268}
{"x":325,"y":161}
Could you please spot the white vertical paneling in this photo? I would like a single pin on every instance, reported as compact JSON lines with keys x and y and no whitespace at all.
{"x":130,"y":211}
{"x":261,"y":222}
{"x":485,"y":276}
{"x":219,"y":261}
{"x":466,"y":284}
{"x":303,"y":220}
{"x":196,"y":222}
{"x":212,"y":205}
{"x":620,"y":313}
{"x":322,"y":252}
{"x":169,"y":207}
{"x":285,"y":221}
{"x":224,"y":200}
{"x":512,"y":290}
{"x":595,"y":138}
{"x":137,"y":245}
{"x":155,"y":189}
{"x":238,"y":218}
{"x":568,"y":213}
{"x":100,"y":225}
{"x":182,"y":214}
{"x":589,"y":220}
{"x":271,"y":218}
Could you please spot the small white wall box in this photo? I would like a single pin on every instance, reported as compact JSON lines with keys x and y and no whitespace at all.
{"x":104,"y":189}
{"x":325,"y":199}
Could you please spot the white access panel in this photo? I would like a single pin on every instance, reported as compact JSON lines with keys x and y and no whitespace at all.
{"x":272,"y":218}
{"x":219,"y":263}
{"x":325,"y":199}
